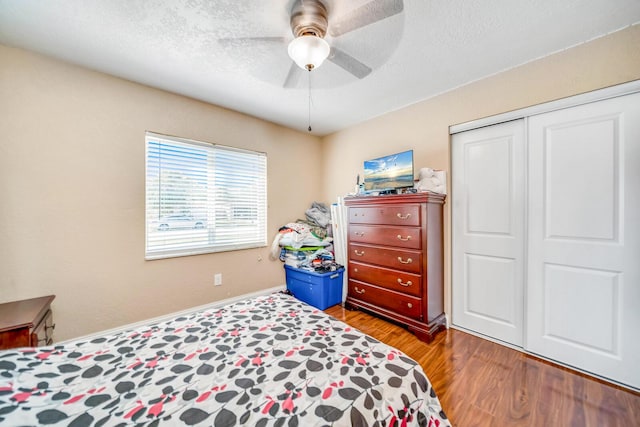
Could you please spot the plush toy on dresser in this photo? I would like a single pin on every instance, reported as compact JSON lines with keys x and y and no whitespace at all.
{"x":432,"y":180}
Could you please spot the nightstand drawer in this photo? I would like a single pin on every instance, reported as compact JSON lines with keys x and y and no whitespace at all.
{"x":389,"y":215}
{"x":405,"y":237}
{"x":399,"y":259}
{"x":402,"y":304}
{"x":396,"y":280}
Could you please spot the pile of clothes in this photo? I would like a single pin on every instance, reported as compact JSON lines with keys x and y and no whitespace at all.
{"x":307,"y":243}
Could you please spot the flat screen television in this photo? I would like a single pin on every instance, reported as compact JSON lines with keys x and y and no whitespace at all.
{"x":389,"y":172}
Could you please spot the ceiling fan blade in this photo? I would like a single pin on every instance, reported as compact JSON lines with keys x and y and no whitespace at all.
{"x":293,"y":76}
{"x":349,"y":63}
{"x":366,"y":14}
{"x":239,"y":40}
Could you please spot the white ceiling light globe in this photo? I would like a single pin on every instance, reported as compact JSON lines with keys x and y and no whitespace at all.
{"x":309,"y":51}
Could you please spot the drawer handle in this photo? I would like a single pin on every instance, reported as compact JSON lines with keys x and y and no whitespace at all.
{"x":409,"y":305}
{"x":407,"y":216}
{"x":404,"y":284}
{"x":358,"y":252}
{"x":404,"y":239}
{"x":359,"y":233}
{"x":408,"y":261}
{"x":359,"y":291}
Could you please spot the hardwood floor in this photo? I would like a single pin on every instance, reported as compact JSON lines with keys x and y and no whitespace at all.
{"x":480,"y":383}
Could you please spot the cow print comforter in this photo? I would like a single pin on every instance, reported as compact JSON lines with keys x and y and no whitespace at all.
{"x":264,"y":361}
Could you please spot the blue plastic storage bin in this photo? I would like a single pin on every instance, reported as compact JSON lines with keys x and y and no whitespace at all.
{"x":320,"y":290}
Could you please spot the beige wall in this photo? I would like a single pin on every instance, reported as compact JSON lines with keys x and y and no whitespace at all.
{"x":72,"y":194}
{"x":424,"y":126}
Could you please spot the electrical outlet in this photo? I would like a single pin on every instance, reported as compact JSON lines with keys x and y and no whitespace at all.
{"x":217,"y":279}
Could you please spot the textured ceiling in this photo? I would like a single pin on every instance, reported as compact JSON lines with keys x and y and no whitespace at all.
{"x":203,"y":48}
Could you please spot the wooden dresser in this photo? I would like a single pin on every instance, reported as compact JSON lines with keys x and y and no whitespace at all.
{"x":26,"y":323}
{"x":395,"y":262}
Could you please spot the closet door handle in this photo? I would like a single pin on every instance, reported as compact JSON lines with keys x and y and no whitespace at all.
{"x":358,"y":291}
{"x":407,"y":216}
{"x":404,"y":284}
{"x":357,"y":252}
{"x":408,"y":261}
{"x":404,"y":239}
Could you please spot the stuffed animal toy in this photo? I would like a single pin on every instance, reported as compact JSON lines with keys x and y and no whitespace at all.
{"x":432,"y":180}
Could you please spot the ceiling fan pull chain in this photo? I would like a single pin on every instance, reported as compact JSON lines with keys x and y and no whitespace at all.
{"x":309,"y":71}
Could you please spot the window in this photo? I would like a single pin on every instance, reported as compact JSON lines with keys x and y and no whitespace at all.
{"x":203,"y":197}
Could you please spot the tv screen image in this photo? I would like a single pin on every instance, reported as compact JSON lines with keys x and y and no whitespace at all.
{"x":389,"y":172}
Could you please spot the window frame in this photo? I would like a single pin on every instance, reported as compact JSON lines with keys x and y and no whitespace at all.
{"x":156,"y":252}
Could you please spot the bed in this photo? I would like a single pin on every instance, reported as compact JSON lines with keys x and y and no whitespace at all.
{"x":268,"y":360}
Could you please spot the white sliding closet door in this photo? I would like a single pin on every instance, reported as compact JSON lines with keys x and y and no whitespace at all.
{"x":583,"y":281}
{"x":488,"y":169}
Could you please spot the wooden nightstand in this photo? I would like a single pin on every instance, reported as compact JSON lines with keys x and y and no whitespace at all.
{"x":26,"y":323}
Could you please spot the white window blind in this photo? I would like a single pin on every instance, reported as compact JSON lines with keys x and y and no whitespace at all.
{"x":203,"y":197}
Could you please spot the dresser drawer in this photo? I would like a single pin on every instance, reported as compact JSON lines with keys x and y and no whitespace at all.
{"x":396,"y":280}
{"x":402,"y":304}
{"x":405,"y":237}
{"x":388,"y":215}
{"x":399,"y":259}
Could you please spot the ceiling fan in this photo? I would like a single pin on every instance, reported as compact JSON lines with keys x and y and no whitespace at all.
{"x":311,"y":21}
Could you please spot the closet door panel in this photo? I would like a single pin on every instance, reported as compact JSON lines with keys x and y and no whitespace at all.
{"x":583,"y":284}
{"x":488,"y":199}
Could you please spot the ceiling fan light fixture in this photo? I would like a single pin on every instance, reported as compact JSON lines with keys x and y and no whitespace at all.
{"x":309,"y":51}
